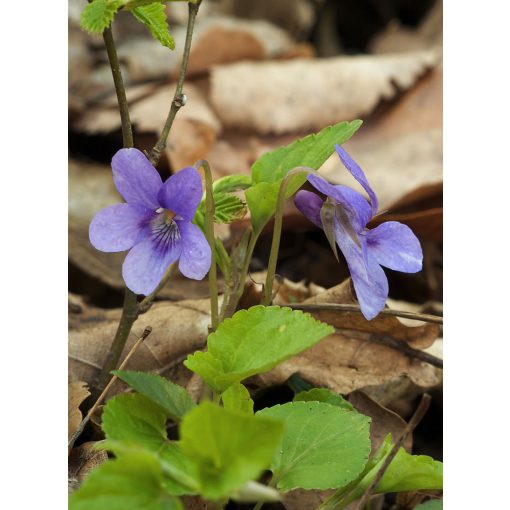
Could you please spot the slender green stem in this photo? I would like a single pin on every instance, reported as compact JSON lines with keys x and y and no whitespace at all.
{"x":277,"y":232}
{"x":209,"y":234}
{"x":179,"y":99}
{"x":127,"y":132}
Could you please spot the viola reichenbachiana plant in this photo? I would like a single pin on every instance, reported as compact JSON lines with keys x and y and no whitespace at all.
{"x":316,"y":442}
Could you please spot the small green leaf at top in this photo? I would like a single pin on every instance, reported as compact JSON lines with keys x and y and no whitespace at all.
{"x":132,"y":482}
{"x":323,"y":447}
{"x":229,"y":448}
{"x":324,"y":395}
{"x":170,"y":396}
{"x":153,"y":16}
{"x":254,"y":341}
{"x":237,"y":398}
{"x":98,"y":15}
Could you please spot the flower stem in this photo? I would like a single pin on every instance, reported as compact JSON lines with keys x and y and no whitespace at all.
{"x":277,"y":233}
{"x":129,"y":309}
{"x":179,"y":99}
{"x":127,"y":319}
{"x":209,"y":234}
{"x":127,"y":132}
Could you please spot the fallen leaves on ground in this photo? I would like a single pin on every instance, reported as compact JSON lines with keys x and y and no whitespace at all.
{"x":77,"y":392}
{"x":280,"y":97}
{"x":348,"y":360}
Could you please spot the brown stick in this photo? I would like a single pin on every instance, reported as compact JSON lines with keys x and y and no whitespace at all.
{"x":335,"y":307}
{"x":147,"y":331}
{"x":413,"y":422}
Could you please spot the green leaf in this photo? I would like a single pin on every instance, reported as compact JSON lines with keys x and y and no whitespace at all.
{"x":254,"y":341}
{"x":134,"y":419}
{"x":171,"y":397}
{"x":237,"y":398}
{"x":269,"y":170}
{"x":431,"y":504}
{"x":229,"y":448}
{"x":153,"y":16}
{"x":411,"y":473}
{"x":324,"y":395}
{"x":405,"y":473}
{"x":261,"y":199}
{"x":323,"y":447}
{"x":231,"y":183}
{"x":311,"y":151}
{"x":132,"y":482}
{"x":98,"y":15}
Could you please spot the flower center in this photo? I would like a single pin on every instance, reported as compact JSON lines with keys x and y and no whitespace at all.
{"x":164,"y":229}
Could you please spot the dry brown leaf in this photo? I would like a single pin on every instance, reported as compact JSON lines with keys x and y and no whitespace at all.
{"x":77,"y":392}
{"x":90,"y":189}
{"x":384,"y":421}
{"x":221,"y":40}
{"x":348,"y":361}
{"x":290,"y":96}
{"x":194,"y":131}
{"x":82,"y":460}
{"x":177,"y":330}
{"x":398,"y":38}
{"x":419,"y":336}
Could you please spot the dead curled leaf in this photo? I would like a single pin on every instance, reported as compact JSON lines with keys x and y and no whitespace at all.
{"x":77,"y":392}
{"x":346,"y":361}
{"x":82,"y":460}
{"x":295,"y":95}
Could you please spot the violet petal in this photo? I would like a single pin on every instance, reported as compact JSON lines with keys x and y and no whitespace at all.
{"x":349,"y":198}
{"x":395,"y":246}
{"x":118,"y":227}
{"x":182,"y":192}
{"x":146,"y":264}
{"x":368,"y":277}
{"x":195,"y":260}
{"x":136,"y":179}
{"x":310,"y":205}
{"x":359,"y":175}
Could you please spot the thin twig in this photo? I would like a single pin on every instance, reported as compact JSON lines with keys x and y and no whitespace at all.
{"x":147,"y":331}
{"x":336,"y":307}
{"x":395,"y":344}
{"x":413,"y":422}
{"x":179,"y":99}
{"x":209,"y":234}
{"x":127,"y":132}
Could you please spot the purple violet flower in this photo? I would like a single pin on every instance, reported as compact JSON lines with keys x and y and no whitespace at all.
{"x":344,"y":215}
{"x":154,"y":224}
